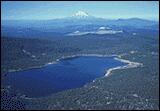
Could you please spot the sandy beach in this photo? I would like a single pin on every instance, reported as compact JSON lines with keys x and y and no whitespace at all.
{"x":130,"y":64}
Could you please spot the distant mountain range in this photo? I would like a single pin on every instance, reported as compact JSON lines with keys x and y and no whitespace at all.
{"x":79,"y":21}
{"x":79,"y":18}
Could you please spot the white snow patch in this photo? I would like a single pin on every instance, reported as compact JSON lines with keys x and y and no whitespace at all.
{"x":135,"y":95}
{"x":108,"y":32}
{"x":102,"y":28}
{"x":108,"y":102}
{"x":132,"y":52}
{"x":81,"y":14}
{"x":76,"y":32}
{"x":102,"y":31}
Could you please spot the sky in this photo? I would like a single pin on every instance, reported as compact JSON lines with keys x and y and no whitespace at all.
{"x":38,"y":10}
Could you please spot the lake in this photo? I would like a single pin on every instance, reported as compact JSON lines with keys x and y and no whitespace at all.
{"x":65,"y":74}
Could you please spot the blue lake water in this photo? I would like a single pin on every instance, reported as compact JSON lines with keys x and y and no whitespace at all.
{"x":66,"y":74}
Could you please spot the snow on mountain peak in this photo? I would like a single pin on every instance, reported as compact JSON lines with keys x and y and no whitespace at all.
{"x":102,"y":28}
{"x":81,"y":14}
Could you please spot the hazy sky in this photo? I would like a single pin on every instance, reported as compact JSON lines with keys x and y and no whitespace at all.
{"x":59,"y":9}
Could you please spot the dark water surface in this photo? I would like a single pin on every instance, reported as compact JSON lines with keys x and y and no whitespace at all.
{"x":66,"y":74}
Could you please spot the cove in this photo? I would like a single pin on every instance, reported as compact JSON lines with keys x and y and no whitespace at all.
{"x":65,"y":74}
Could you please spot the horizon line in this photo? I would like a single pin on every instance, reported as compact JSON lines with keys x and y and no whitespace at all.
{"x":96,"y":17}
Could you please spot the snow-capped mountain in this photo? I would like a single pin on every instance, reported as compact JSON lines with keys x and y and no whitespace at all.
{"x":81,"y":22}
{"x":79,"y":18}
{"x":81,"y":14}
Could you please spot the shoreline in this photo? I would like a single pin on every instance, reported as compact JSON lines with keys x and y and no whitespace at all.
{"x":78,"y":55}
{"x":57,"y":60}
{"x":34,"y":67}
{"x":130,"y":64}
